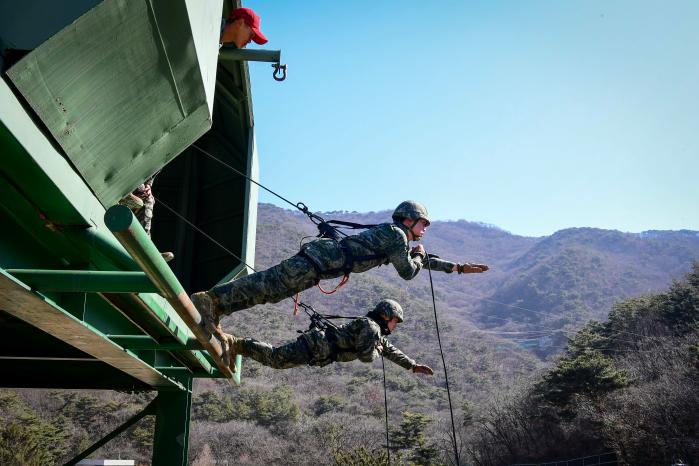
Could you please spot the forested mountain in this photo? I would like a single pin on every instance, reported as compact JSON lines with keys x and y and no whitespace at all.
{"x":538,"y":292}
{"x":629,"y":385}
{"x":576,"y":274}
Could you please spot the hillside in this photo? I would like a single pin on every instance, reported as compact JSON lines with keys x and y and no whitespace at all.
{"x":500,"y":331}
{"x":576,"y":274}
{"x":626,"y":386}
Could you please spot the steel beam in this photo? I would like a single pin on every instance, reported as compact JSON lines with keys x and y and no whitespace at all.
{"x":39,"y":311}
{"x":148,"y":410}
{"x":144,"y":342}
{"x":89,"y":281}
{"x":134,"y":239}
{"x":235,"y":54}
{"x":162,"y":325}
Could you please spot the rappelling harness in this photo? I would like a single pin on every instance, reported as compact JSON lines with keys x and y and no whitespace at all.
{"x":322,"y":323}
{"x":330,"y":229}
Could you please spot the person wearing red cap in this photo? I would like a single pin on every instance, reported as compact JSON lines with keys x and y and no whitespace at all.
{"x":241,"y":28}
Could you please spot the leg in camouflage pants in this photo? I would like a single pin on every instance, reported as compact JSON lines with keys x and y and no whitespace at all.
{"x":269,"y":286}
{"x":292,"y":354}
{"x":145,"y":214}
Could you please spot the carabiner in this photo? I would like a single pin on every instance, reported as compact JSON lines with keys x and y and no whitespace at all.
{"x":279,"y":72}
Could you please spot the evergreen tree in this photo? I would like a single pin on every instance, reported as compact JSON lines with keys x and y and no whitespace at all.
{"x":410,"y":436}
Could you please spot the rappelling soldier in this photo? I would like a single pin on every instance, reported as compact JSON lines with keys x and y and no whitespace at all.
{"x":364,"y":338}
{"x":321,"y":259}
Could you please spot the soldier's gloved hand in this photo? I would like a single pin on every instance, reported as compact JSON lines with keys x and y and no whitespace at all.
{"x":471,"y":268}
{"x":422,"y":369}
{"x":379,"y":349}
{"x":418,"y":250}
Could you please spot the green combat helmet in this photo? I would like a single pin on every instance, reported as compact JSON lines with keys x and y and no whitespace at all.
{"x":412,"y":210}
{"x":390,"y":309}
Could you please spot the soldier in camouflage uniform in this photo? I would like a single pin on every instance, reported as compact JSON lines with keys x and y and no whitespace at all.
{"x":363,"y":338}
{"x":145,"y":193}
{"x":387,"y":243}
{"x":141,"y":202}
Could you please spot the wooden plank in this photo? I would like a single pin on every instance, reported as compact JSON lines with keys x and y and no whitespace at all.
{"x":31,"y":307}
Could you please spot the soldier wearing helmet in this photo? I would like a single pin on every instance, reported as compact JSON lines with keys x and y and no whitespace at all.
{"x":325,"y":258}
{"x":364,"y":338}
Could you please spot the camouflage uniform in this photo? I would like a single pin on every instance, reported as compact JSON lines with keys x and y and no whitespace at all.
{"x":145,"y":214}
{"x":323,"y":259}
{"x":141,"y":202}
{"x":359,"y":339}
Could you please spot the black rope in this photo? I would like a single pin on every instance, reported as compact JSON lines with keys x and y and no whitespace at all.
{"x":327,"y":228}
{"x":315,"y":218}
{"x":385,"y":406}
{"x":444,"y":364}
{"x":247,"y":177}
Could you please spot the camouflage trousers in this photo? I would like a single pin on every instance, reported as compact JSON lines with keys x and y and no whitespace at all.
{"x":310,"y":348}
{"x":269,"y":286}
{"x":144,"y":215}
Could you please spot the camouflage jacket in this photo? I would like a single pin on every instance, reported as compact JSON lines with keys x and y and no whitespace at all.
{"x":360,"y":339}
{"x":383,"y":244}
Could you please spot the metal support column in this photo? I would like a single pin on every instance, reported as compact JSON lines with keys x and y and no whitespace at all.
{"x":173,"y":411}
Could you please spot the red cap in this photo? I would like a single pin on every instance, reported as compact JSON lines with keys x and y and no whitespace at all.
{"x":251,"y":19}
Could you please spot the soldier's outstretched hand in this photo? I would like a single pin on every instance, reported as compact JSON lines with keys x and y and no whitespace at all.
{"x":421,"y":369}
{"x":471,"y":268}
{"x":230,"y":352}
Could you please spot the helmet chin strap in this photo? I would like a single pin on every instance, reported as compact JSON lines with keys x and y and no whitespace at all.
{"x":379,"y":319}
{"x":415,"y":237}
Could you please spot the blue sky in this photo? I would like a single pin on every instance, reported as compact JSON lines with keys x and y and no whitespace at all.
{"x":529,"y":115}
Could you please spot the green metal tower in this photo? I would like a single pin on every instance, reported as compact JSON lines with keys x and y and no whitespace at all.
{"x":93,"y":101}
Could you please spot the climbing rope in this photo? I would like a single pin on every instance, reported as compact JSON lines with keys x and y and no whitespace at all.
{"x":326,"y":228}
{"x":322,"y":322}
{"x":444,"y":364}
{"x":244,"y":175}
{"x":385,"y":407}
{"x":297,"y":303}
{"x":315,"y":218}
